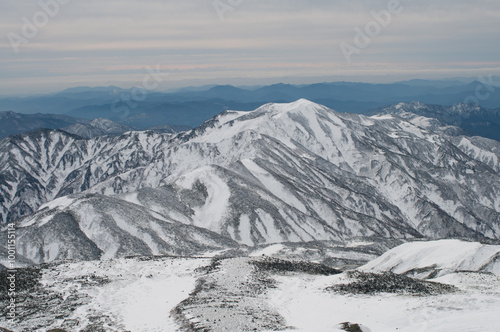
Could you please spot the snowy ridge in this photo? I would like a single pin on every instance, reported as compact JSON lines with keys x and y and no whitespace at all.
{"x":467,"y":118}
{"x":90,"y":227}
{"x":282,"y":173}
{"x":40,"y":166}
{"x":437,"y":258}
{"x":97,"y":127}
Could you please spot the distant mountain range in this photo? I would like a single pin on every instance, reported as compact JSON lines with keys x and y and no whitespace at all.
{"x":292,"y":172}
{"x":16,"y":123}
{"x":192,"y":106}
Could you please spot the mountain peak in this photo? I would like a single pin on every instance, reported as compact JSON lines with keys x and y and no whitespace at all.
{"x":303,"y":103}
{"x":282,"y":173}
{"x":306,"y":103}
{"x":299,"y":106}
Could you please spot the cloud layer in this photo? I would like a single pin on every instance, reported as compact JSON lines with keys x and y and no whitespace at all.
{"x":97,"y":42}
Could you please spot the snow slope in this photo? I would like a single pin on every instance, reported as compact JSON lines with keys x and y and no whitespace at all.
{"x":293,"y":172}
{"x":473,"y":268}
{"x":437,"y":258}
{"x":91,"y":226}
{"x":305,"y":305}
{"x":114,"y":295}
{"x":152,"y":294}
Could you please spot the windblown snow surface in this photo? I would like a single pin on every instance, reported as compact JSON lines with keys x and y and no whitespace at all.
{"x":428,"y":259}
{"x":471,"y":267}
{"x":268,"y":294}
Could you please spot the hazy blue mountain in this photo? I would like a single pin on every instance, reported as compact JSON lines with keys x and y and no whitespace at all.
{"x":81,"y":89}
{"x":62,"y":102}
{"x":16,"y":123}
{"x":192,"y":106}
{"x":149,"y":114}
{"x":96,"y":128}
{"x":434,"y":83}
{"x":192,"y":88}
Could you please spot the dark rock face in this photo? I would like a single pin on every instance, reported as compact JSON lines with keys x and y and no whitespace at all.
{"x":5,"y":330}
{"x":35,"y":304}
{"x":26,"y":281}
{"x":350,"y":327}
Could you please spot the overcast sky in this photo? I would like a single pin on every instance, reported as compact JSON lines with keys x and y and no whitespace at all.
{"x":104,"y":42}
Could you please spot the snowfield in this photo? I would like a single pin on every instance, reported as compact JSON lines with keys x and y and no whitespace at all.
{"x":135,"y":294}
{"x":261,"y":293}
{"x":471,"y":267}
{"x":305,"y":305}
{"x":139,"y":296}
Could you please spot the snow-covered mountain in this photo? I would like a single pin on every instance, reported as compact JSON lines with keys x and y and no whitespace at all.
{"x":471,"y":118}
{"x":437,"y":258}
{"x":284,"y":172}
{"x":12,"y":123}
{"x":92,"y":226}
{"x":169,"y":129}
{"x":97,"y":127}
{"x":42,"y":165}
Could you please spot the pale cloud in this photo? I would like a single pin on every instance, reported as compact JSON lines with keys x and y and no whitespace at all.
{"x":96,"y":42}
